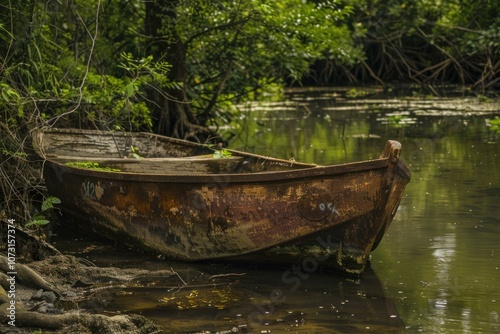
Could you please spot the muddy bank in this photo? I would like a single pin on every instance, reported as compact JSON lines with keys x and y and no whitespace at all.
{"x":64,"y":294}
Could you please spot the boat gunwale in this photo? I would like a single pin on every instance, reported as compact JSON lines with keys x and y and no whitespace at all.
{"x":293,"y":174}
{"x":304,"y":170}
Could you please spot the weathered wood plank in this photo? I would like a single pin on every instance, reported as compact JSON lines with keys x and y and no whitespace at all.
{"x":186,"y":165}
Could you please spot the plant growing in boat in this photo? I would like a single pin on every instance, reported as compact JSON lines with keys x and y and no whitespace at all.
{"x":90,"y":165}
{"x":135,"y":153}
{"x":219,"y":153}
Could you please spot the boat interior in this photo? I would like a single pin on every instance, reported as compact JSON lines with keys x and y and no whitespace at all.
{"x":150,"y":153}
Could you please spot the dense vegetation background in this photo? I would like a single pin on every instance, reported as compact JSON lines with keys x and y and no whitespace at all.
{"x":177,"y":67}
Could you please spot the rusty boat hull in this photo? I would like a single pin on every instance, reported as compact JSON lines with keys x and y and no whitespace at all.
{"x":181,"y":201}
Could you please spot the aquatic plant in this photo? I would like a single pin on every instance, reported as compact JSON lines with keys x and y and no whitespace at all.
{"x":90,"y":165}
{"x":494,"y":124}
{"x":397,"y":120}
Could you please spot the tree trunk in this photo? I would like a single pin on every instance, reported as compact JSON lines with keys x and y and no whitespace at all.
{"x":172,"y":109}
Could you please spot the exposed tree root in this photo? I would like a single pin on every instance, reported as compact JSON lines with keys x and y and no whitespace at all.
{"x":25,"y":276}
{"x":63,"y":280}
{"x":77,"y":322}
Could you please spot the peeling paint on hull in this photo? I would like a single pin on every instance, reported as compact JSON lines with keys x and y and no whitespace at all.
{"x":252,"y":208}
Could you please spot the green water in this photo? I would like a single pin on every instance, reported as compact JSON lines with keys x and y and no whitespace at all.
{"x":439,"y":262}
{"x":436,"y":270}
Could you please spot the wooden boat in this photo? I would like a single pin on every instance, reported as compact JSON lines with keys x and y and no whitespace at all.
{"x":194,"y":202}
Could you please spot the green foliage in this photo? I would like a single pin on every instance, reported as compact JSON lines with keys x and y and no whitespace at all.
{"x":221,"y":154}
{"x":494,"y":124}
{"x":218,"y":152}
{"x":396,"y":121}
{"x":249,"y":45}
{"x":423,"y":42}
{"x":353,"y":93}
{"x":146,"y":71}
{"x":49,"y":203}
{"x":91,"y":165}
{"x":61,"y":65}
{"x":111,"y":101}
{"x":135,"y":153}
{"x":39,"y":218}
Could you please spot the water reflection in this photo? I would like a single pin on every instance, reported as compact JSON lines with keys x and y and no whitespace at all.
{"x":222,"y":299}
